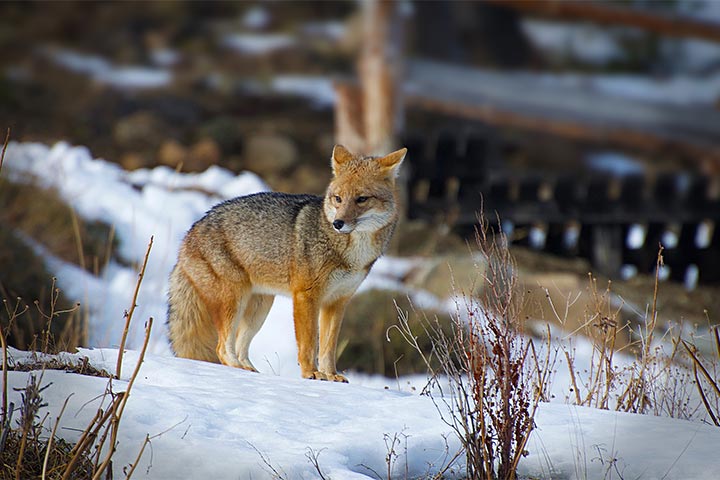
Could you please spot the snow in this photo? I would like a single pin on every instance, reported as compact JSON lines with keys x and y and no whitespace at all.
{"x":636,"y":236}
{"x":103,"y":71}
{"x":222,"y":421}
{"x":692,"y":275}
{"x":675,"y":90}
{"x":160,"y":203}
{"x":614,"y":163}
{"x":319,"y":89}
{"x":704,"y":234}
{"x":256,"y":18}
{"x":587,"y":43}
{"x":227,"y":423}
{"x":165,"y":57}
{"x":258,"y":43}
{"x":331,"y":30}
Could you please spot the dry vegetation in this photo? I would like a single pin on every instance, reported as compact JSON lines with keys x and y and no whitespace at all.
{"x":29,"y":445}
{"x":488,"y":376}
{"x":34,"y":217}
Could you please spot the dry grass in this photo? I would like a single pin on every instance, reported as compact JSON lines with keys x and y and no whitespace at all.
{"x":41,"y":214}
{"x":33,"y":216}
{"x":53,"y":362}
{"x":652,"y":377}
{"x":27,"y":451}
{"x":368,"y":343}
{"x":706,"y":373}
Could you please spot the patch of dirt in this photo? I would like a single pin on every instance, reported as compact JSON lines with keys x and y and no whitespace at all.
{"x":81,"y":367}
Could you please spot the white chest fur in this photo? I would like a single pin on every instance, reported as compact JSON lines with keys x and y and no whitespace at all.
{"x":360,"y":254}
{"x":362,"y":250}
{"x":343,"y":283}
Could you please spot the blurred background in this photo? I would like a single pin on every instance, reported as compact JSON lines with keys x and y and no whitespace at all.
{"x":590,"y":130}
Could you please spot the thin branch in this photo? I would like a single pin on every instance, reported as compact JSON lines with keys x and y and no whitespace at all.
{"x":130,"y":312}
{"x":115,"y":419}
{"x":137,"y":459}
{"x":52,"y":437}
{"x":5,"y":145}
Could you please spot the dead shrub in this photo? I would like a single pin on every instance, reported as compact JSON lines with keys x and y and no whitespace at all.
{"x":490,"y":378}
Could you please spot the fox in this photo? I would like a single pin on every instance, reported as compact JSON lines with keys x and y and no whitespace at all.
{"x":315,"y":249}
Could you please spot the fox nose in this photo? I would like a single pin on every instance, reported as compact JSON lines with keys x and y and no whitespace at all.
{"x":338,"y":224}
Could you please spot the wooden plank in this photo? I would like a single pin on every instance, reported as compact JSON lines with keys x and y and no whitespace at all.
{"x":532,"y":102}
{"x":612,"y":14}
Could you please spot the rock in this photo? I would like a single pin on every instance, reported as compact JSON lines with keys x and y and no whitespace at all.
{"x":203,"y":154}
{"x":135,"y":160}
{"x":233,"y":163}
{"x":448,"y":275}
{"x":309,"y":179}
{"x":225,"y":131}
{"x":140,"y":130}
{"x":172,"y":153}
{"x":268,"y":154}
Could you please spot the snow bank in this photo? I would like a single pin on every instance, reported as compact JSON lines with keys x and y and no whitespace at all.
{"x":160,"y":203}
{"x":103,"y":71}
{"x":218,"y":422}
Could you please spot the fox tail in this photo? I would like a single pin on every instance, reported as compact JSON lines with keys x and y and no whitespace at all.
{"x":189,"y":326}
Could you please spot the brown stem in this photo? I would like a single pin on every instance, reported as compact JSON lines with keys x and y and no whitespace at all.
{"x":130,"y":312}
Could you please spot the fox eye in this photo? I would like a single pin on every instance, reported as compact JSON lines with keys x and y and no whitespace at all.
{"x":361,"y":199}
{"x":338,"y":199}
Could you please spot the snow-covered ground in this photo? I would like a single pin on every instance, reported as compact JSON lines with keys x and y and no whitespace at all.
{"x":210,"y":421}
{"x":218,"y":422}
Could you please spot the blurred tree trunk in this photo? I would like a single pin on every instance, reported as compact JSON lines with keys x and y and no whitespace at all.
{"x":368,"y":115}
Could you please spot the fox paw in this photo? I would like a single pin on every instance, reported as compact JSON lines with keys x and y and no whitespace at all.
{"x":336,"y":377}
{"x":327,"y":377}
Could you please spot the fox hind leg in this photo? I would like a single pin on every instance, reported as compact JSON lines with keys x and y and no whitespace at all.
{"x":247,"y":323}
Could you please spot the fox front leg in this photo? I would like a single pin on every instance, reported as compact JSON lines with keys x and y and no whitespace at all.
{"x":331,"y":317}
{"x":305,"y":314}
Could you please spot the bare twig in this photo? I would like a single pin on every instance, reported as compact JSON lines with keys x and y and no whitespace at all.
{"x":137,"y":459}
{"x":313,"y":457}
{"x":698,"y":365}
{"x":5,"y":145}
{"x":266,"y":460}
{"x":115,"y":419}
{"x":129,"y":314}
{"x":4,"y":377}
{"x":52,"y":436}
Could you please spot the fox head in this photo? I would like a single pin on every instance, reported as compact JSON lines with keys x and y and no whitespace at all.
{"x":362,"y":194}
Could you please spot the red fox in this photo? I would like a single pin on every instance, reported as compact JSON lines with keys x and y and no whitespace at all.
{"x":317,"y":250}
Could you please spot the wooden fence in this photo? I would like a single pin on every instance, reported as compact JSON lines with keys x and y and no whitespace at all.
{"x":615,"y":221}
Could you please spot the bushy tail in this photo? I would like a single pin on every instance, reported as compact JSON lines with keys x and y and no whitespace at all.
{"x":192,"y":334}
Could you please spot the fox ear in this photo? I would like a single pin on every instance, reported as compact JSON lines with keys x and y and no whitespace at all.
{"x":340,"y":156}
{"x":391,"y":162}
